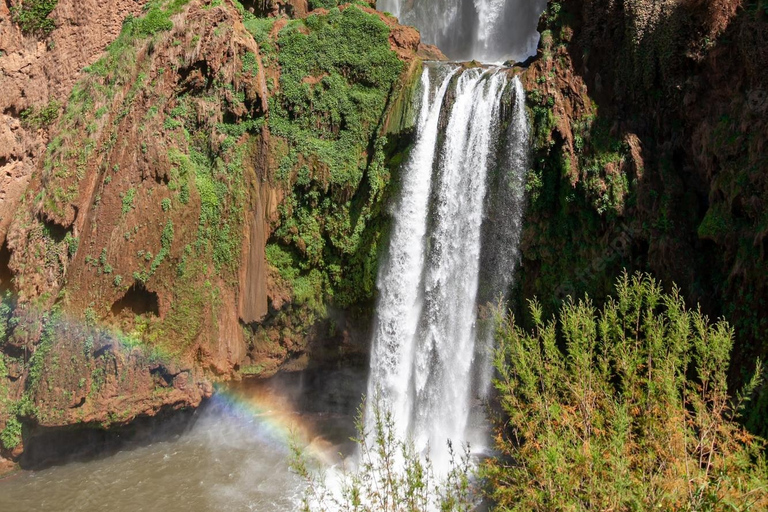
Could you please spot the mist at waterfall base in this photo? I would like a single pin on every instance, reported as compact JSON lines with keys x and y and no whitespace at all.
{"x":453,"y":248}
{"x":489,"y":31}
{"x":232,"y":454}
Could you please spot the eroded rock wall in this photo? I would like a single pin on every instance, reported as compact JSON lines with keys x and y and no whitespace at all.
{"x":197,"y":196}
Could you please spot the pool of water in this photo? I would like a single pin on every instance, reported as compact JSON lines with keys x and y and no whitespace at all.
{"x":232,"y":454}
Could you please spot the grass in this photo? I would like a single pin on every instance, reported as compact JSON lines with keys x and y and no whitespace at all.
{"x":42,"y":117}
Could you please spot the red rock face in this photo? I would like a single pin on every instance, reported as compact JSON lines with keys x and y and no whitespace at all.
{"x":35,"y":72}
{"x":83,"y":201}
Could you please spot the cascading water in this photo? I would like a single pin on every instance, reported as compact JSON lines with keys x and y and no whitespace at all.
{"x":427,"y":366}
{"x":399,"y":306}
{"x":501,"y":229}
{"x":485,"y":30}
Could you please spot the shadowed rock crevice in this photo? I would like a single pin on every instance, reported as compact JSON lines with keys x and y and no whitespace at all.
{"x":137,"y":301}
{"x":6,"y":276}
{"x":56,"y":231}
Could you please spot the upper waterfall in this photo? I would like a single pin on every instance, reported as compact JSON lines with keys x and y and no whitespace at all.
{"x":484,"y":30}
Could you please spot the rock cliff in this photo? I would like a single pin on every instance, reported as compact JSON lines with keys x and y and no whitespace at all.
{"x":192,"y":191}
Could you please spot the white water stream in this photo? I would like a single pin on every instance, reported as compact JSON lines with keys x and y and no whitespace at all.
{"x":427,"y":365}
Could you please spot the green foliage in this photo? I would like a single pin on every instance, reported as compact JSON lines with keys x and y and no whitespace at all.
{"x":128,"y":198}
{"x":11,"y":434}
{"x":323,"y":4}
{"x":156,"y":19}
{"x":259,"y":28}
{"x":716,"y":224}
{"x":37,"y":362}
{"x":72,"y":244}
{"x":250,"y":64}
{"x":6,"y":313}
{"x":166,"y":238}
{"x":348,"y":54}
{"x":252,"y":370}
{"x":391,"y":476}
{"x":33,"y":16}
{"x":42,"y":117}
{"x":533,"y":184}
{"x":337,"y":74}
{"x":601,"y":159}
{"x":121,"y":53}
{"x":625,"y":408}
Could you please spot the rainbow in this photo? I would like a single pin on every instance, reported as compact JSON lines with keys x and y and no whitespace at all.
{"x":275,"y":421}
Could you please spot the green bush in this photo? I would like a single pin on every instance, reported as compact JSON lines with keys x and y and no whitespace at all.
{"x":33,"y":16}
{"x":323,"y":4}
{"x":622,"y":409}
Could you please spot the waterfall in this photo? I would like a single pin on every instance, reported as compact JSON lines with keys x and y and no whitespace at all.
{"x":399,"y":305}
{"x":427,"y":365}
{"x":484,"y":30}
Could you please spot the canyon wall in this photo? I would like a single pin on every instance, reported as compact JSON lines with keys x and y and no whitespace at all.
{"x":192,"y":192}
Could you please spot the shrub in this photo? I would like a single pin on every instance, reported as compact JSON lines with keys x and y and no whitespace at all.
{"x":622,"y":409}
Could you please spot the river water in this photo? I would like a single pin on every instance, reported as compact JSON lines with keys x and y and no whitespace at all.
{"x":232,"y":454}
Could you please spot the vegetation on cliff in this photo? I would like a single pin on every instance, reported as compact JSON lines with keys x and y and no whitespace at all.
{"x":33,"y":16}
{"x":649,"y":122}
{"x":193,"y":143}
{"x":334,"y":87}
